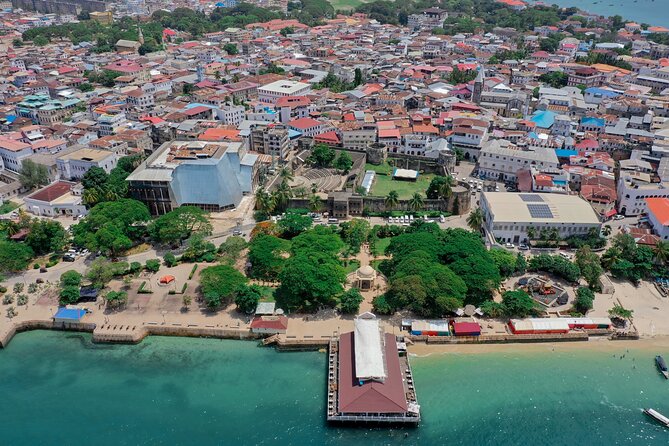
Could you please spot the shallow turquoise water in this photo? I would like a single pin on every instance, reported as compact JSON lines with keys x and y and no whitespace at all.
{"x":653,"y":12}
{"x":60,"y":389}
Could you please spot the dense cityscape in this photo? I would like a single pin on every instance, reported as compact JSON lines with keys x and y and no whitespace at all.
{"x":374,"y":180}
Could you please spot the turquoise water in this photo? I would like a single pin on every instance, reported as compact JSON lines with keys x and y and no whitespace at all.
{"x":653,"y":12}
{"x":60,"y":389}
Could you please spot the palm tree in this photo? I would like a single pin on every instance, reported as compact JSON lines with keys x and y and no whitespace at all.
{"x":286,"y":174}
{"x":416,"y":202}
{"x":111,"y":195}
{"x":264,"y":201}
{"x":531,"y":232}
{"x":610,"y":257}
{"x":91,"y":197}
{"x":282,"y":195}
{"x":314,"y":188}
{"x":10,"y":227}
{"x":606,"y":230}
{"x":475,"y":219}
{"x":392,"y":200}
{"x":446,"y":188}
{"x":661,"y":251}
{"x":315,"y":203}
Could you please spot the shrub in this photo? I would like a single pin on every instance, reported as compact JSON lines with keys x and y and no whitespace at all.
{"x":69,"y":295}
{"x":142,"y":290}
{"x":350,"y":301}
{"x":18,"y":287}
{"x":8,"y":299}
{"x":32,"y":288}
{"x":70,"y":278}
{"x":184,"y":288}
{"x":3,"y":289}
{"x":35,"y":265}
{"x":584,"y":300}
{"x":171,"y":292}
{"x":22,"y":300}
{"x":135,"y":267}
{"x":186,"y":300}
{"x":381,"y":305}
{"x":192,"y":271}
{"x":152,"y":265}
{"x":170,"y":259}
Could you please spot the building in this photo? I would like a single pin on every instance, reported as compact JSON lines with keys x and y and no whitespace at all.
{"x":501,"y":160}
{"x":59,"y":198}
{"x":275,"y":90}
{"x":74,"y":165}
{"x":508,"y":216}
{"x":270,"y":325}
{"x":633,"y":190}
{"x":46,"y":111}
{"x":211,"y":175}
{"x":271,"y":140}
{"x":368,"y":380}
{"x":657,"y":210}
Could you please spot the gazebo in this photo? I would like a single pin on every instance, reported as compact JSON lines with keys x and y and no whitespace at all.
{"x":365,"y":277}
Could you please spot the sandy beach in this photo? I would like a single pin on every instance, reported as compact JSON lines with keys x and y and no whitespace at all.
{"x":657,"y":345}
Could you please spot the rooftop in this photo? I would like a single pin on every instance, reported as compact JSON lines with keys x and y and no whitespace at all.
{"x":539,"y":208}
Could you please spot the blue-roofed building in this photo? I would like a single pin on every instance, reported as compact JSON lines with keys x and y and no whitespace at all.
{"x":544,"y":119}
{"x":69,"y":315}
{"x":591,"y":124}
{"x":211,"y":175}
{"x":594,"y":95}
{"x":565,"y":153}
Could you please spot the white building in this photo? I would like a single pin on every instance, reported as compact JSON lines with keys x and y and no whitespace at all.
{"x":59,"y":198}
{"x":500,"y":160}
{"x":657,"y":210}
{"x":13,"y":152}
{"x":508,"y":215}
{"x":73,"y":166}
{"x":275,"y":90}
{"x":633,"y":190}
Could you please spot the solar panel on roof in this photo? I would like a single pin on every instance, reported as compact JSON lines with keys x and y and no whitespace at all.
{"x":539,"y":211}
{"x":531,"y":198}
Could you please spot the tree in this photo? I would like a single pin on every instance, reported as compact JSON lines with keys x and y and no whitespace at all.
{"x":186,"y":301}
{"x":70,"y":278}
{"x":492,"y":309}
{"x":322,"y":156}
{"x":281,"y":196}
{"x":416,"y":202}
{"x":315,"y":203}
{"x":584,"y":300}
{"x":264,"y":202}
{"x":95,"y":178}
{"x":505,"y":261}
{"x":349,"y":301}
{"x":69,"y":295}
{"x":46,"y":236}
{"x":199,"y":249}
{"x":40,"y":41}
{"x":555,"y":79}
{"x":116,"y":299}
{"x":475,"y":219}
{"x":589,"y":264}
{"x":180,"y":224}
{"x":231,"y":49}
{"x":661,"y":252}
{"x":392,"y":200}
{"x":286,"y":31}
{"x":219,"y":283}
{"x":100,"y":272}
{"x":344,"y":162}
{"x":170,"y":259}
{"x":439,"y":187}
{"x":518,"y":304}
{"x":557,"y":265}
{"x":232,"y":247}
{"x":85,"y":87}
{"x":14,"y":257}
{"x":266,"y":255}
{"x":293,"y":224}
{"x":354,"y":233}
{"x":33,"y":175}
{"x":286,"y":174}
{"x":521,"y":264}
{"x":620,"y":312}
{"x":247,"y":298}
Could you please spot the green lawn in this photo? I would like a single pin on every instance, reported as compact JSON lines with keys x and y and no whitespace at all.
{"x":384,"y":168}
{"x":345,"y":4}
{"x":381,"y":245}
{"x":383,"y":184}
{"x":267,"y":294}
{"x":352,"y":266}
{"x":8,"y":206}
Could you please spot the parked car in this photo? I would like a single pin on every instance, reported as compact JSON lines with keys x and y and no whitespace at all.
{"x":442,"y":219}
{"x":509,"y":245}
{"x":237,"y":232}
{"x":523,"y":247}
{"x":68,"y":258}
{"x":619,"y":217}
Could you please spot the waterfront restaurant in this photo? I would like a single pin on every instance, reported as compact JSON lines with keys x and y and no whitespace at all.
{"x":368,"y":379}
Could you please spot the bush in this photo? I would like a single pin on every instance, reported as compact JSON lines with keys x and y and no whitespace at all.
{"x":22,"y":300}
{"x":142,"y":289}
{"x":184,"y":288}
{"x":170,"y":259}
{"x":3,"y":289}
{"x":69,"y":295}
{"x":35,"y":265}
{"x":152,"y":265}
{"x":70,"y":278}
{"x":135,"y":267}
{"x":192,"y":271}
{"x":171,"y":292}
{"x":584,"y":300}
{"x":8,"y":299}
{"x":18,"y":287}
{"x":32,"y":288}
{"x":116,"y":299}
{"x":557,"y":265}
{"x":350,"y":301}
{"x":381,"y":305}
{"x":247,"y":298}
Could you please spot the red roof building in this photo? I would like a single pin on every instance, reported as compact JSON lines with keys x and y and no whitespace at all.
{"x":269,"y":324}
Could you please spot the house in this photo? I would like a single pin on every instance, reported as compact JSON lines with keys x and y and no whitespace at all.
{"x":657,"y":210}
{"x":269,"y":324}
{"x":74,"y":165}
{"x":59,"y":198}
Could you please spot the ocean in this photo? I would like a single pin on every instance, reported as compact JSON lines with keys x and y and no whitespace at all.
{"x":60,"y":389}
{"x":653,"y":12}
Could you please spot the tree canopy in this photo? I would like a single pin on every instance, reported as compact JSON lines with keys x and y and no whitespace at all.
{"x":179,"y":224}
{"x":14,"y":257}
{"x":219,"y":284}
{"x":266,"y":255}
{"x":46,"y":236}
{"x":33,"y":175}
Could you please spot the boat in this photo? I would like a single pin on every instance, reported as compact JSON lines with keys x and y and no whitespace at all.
{"x":657,"y":416}
{"x":662,"y":366}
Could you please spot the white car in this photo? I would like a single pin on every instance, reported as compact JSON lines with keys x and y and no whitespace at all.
{"x":442,"y":219}
{"x":619,"y":217}
{"x":509,"y":245}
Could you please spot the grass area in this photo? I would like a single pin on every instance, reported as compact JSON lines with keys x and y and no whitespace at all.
{"x":351,"y":265}
{"x":8,"y":206}
{"x":375,"y":264}
{"x":381,"y":245}
{"x":345,"y":4}
{"x":142,"y":247}
{"x":384,"y":169}
{"x":383,"y":184}
{"x":267,"y":294}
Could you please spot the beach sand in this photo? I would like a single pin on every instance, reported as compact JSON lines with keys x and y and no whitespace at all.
{"x":658,"y":345}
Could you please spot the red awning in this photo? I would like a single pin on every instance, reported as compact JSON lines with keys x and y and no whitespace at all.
{"x":610,"y":213}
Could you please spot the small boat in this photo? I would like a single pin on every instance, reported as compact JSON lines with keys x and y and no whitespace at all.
{"x":662,"y":366}
{"x":657,"y":416}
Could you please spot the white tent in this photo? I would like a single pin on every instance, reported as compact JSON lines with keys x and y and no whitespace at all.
{"x":368,"y":345}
